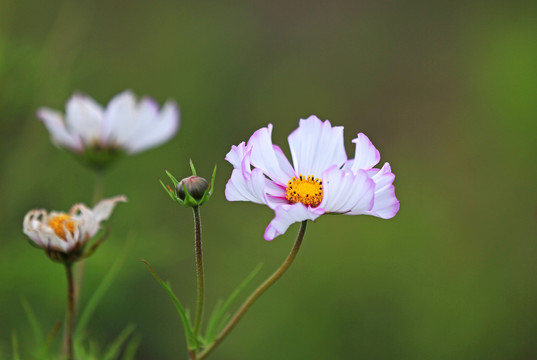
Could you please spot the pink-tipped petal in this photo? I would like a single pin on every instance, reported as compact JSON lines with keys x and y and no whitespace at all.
{"x":274,"y":194}
{"x":55,"y":125}
{"x":236,"y":155}
{"x":347,"y":193}
{"x":386,"y":204}
{"x":246,"y":186}
{"x":287,"y":214}
{"x":265,"y":157}
{"x":316,"y":145}
{"x":366,"y":155}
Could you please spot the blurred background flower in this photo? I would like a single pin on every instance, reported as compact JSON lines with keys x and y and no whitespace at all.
{"x":446,"y":90}
{"x":99,"y":135}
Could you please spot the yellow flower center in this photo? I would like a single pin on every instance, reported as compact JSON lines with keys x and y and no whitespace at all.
{"x":60,"y":223}
{"x":307,"y":190}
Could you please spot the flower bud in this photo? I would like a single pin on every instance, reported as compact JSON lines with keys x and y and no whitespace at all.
{"x":195,"y":185}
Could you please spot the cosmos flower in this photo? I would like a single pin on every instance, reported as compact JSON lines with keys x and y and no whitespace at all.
{"x":64,"y":235}
{"x":321,"y":180}
{"x":125,"y":125}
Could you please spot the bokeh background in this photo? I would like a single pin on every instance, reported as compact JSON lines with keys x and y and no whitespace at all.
{"x":446,"y":90}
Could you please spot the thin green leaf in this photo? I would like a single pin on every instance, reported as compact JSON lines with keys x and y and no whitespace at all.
{"x":218,"y":320}
{"x":94,"y":349}
{"x":131,"y":348}
{"x":211,"y":324}
{"x":172,"y":178}
{"x":209,"y":192}
{"x":50,"y":337}
{"x":115,"y":347}
{"x":223,"y":321}
{"x":171,"y":193}
{"x":213,"y":178}
{"x":193,"y":168}
{"x":102,"y":289}
{"x":34,"y":323}
{"x":190,"y":339}
{"x":15,"y":346}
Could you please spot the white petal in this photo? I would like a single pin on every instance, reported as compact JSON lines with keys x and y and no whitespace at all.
{"x":86,"y":219}
{"x":366,"y":155}
{"x":284,"y":164}
{"x":287,"y":214}
{"x":345,"y":192}
{"x":236,"y":154}
{"x":55,"y":125}
{"x":120,"y":119}
{"x":348,"y":164}
{"x":104,"y":208}
{"x":316,"y":145}
{"x":274,"y":194}
{"x":246,"y":186}
{"x":153,"y":130}
{"x":36,"y":227}
{"x":386,"y":204}
{"x":55,"y":243}
{"x":31,"y":225}
{"x":85,"y":118}
{"x":72,"y":240}
{"x":267,"y":158}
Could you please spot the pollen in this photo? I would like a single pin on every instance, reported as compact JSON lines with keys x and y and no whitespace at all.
{"x":307,"y":190}
{"x":61,"y":223}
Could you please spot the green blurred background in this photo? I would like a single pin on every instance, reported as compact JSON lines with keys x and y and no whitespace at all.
{"x":446,"y":90}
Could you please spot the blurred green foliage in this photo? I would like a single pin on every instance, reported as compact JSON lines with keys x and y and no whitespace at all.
{"x":445,"y":90}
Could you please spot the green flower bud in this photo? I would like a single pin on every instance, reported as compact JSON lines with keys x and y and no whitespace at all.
{"x":195,"y":185}
{"x":192,"y":191}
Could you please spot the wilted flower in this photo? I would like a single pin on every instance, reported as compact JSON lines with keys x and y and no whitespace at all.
{"x":321,"y":180}
{"x":64,"y":235}
{"x":125,"y":125}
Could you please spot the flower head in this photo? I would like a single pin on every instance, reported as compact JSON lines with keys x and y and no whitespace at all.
{"x":125,"y":125}
{"x":191,"y":191}
{"x":64,"y":235}
{"x":321,"y":180}
{"x":196,"y":186}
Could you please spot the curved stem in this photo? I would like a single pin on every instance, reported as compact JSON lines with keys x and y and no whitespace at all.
{"x":258,"y":292}
{"x":98,"y":189}
{"x":199,"y":270}
{"x":70,"y":322}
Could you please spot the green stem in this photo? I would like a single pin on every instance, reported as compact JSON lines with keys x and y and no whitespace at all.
{"x":98,"y":189}
{"x":199,"y":270}
{"x":70,"y":322}
{"x":258,"y":292}
{"x":192,"y":354}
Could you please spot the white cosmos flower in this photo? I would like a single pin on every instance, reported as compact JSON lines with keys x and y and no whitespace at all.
{"x":321,"y":180}
{"x":67,"y":232}
{"x":125,"y":124}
